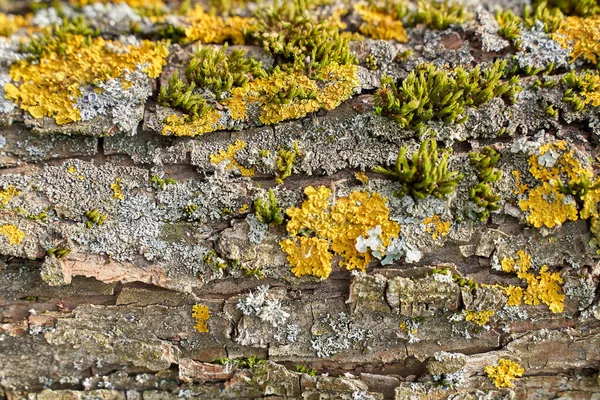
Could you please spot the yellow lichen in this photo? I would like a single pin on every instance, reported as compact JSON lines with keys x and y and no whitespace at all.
{"x":228,"y":156}
{"x":12,"y":233}
{"x":50,"y":86}
{"x":7,"y":195}
{"x":334,"y":228}
{"x":437,"y":226}
{"x":583,"y":35}
{"x":544,"y":288}
{"x":547,"y":206}
{"x":481,"y":318}
{"x":361,"y":177}
{"x":406,"y":329}
{"x":380,"y":24}
{"x":116,"y":188}
{"x":182,"y":126}
{"x":201,"y":313}
{"x":308,"y":256}
{"x":10,"y":24}
{"x":565,"y":163}
{"x":334,"y":84}
{"x":520,"y":187}
{"x":515,"y":295}
{"x":209,"y":28}
{"x":503,"y":374}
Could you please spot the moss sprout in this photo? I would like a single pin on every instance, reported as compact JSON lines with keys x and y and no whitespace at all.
{"x":267,"y":211}
{"x":160,"y":183}
{"x":481,"y":194}
{"x":423,"y":174}
{"x":306,"y":370}
{"x":94,"y":217}
{"x":285,"y":163}
{"x":59,"y":252}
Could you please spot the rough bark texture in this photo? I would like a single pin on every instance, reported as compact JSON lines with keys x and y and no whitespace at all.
{"x":113,"y":318}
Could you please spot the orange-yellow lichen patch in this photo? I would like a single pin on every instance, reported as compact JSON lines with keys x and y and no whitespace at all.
{"x":209,"y":28}
{"x":520,"y":187}
{"x":583,"y":35}
{"x":308,"y":256}
{"x":565,"y":163}
{"x":50,"y":86}
{"x":229,"y":157}
{"x":437,"y":226}
{"x":318,"y":228}
{"x":12,"y":233}
{"x":361,"y":177}
{"x":544,"y":288}
{"x":116,"y":188}
{"x":287,"y":95}
{"x":515,"y":295}
{"x":10,"y":24}
{"x":7,"y":195}
{"x":520,"y":265}
{"x":547,"y":206}
{"x":380,"y":24}
{"x":183,"y":126}
{"x":201,"y":313}
{"x":481,"y":318}
{"x":504,"y":373}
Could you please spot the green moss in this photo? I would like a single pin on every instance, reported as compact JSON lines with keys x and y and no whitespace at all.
{"x":267,"y":211}
{"x":220,"y":72}
{"x":371,"y":62}
{"x":94,"y":217}
{"x":243,"y":362}
{"x":160,"y":183}
{"x":438,"y":14}
{"x":485,"y":161}
{"x":576,"y":85}
{"x":306,"y":370}
{"x":59,"y":252}
{"x":57,"y":36}
{"x":430,"y":93}
{"x":285,"y":163}
{"x":177,"y":94}
{"x":572,"y":7}
{"x":423,"y":174}
{"x":298,"y":39}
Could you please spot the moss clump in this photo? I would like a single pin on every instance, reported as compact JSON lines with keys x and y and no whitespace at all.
{"x":439,"y":14}
{"x":306,"y":370}
{"x":267,"y":211}
{"x":59,"y":252}
{"x":432,"y":93}
{"x":313,"y":69}
{"x":292,"y":34}
{"x":424,"y":174}
{"x":581,"y":89}
{"x":176,"y":94}
{"x":219,"y":71}
{"x":160,"y":183}
{"x":94,"y":217}
{"x":485,"y":161}
{"x":243,"y":362}
{"x":572,"y":7}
